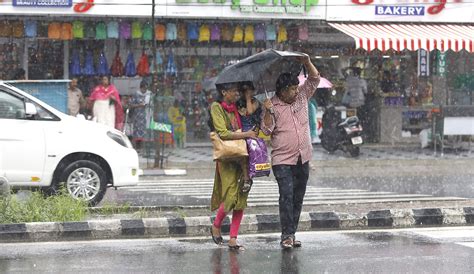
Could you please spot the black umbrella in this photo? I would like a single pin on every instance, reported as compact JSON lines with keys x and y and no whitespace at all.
{"x":262,"y":69}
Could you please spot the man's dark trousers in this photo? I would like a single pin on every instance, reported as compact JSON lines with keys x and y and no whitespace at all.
{"x":292,"y":181}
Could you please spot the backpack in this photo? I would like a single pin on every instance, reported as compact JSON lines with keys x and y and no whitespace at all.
{"x":249,"y":34}
{"x":147,"y":31}
{"x":204,"y":33}
{"x":193,"y":31}
{"x":117,"y":66}
{"x":5,"y":29}
{"x":282,"y":34}
{"x":89,"y":31}
{"x":18,"y":29}
{"x":143,"y":67}
{"x":77,"y":29}
{"x":171,"y":32}
{"x":238,"y":34}
{"x":31,"y":28}
{"x":103,"y":67}
{"x":88,"y":69}
{"x":113,"y":30}
{"x":159,"y":63}
{"x":182,"y":32}
{"x":130,"y":70}
{"x":54,"y":30}
{"x":160,"y":32}
{"x":137,"y":31}
{"x":271,"y":32}
{"x":215,"y":33}
{"x":226,"y":33}
{"x":171,"y":67}
{"x":100,"y":31}
{"x":125,"y":30}
{"x":66,"y":31}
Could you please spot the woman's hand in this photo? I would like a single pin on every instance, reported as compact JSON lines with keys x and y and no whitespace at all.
{"x":251,"y":134}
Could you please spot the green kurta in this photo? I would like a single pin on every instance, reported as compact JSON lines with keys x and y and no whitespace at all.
{"x":226,"y":181}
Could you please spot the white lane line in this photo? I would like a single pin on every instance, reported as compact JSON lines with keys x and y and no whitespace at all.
{"x":314,"y":197}
{"x":350,"y":201}
{"x":467,"y":244}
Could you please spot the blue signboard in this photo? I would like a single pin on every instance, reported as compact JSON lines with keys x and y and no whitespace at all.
{"x":400,"y":10}
{"x":43,"y":3}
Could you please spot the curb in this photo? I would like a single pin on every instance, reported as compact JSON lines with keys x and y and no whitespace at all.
{"x":259,"y":223}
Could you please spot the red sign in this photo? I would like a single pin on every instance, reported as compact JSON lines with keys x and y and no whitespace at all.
{"x":436,"y":8}
{"x":83,"y":7}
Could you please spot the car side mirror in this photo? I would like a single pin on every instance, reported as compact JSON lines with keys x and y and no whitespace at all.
{"x":30,"y":109}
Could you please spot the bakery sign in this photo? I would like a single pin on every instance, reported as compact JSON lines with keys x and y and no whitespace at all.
{"x":459,"y":11}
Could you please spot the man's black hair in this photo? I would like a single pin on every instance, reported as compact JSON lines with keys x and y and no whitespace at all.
{"x":285,"y":80}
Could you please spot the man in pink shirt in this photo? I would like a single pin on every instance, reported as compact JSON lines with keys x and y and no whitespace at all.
{"x":286,"y":119}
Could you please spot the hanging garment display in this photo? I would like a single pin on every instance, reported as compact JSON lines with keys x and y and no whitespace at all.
{"x":226,"y":33}
{"x":31,"y":28}
{"x":54,"y":31}
{"x":147,"y":31}
{"x":17,"y":29}
{"x":137,"y":31}
{"x":130,"y":69}
{"x":89,"y":30}
{"x":260,"y":32}
{"x":271,"y":32}
{"x":78,"y":29}
{"x":88,"y":69}
{"x":193,"y":33}
{"x":292,"y":32}
{"x":303,"y":33}
{"x":66,"y":31}
{"x":159,"y":63}
{"x":249,"y":34}
{"x":143,"y":67}
{"x":182,"y":31}
{"x":112,"y":30}
{"x":171,"y":32}
{"x":75,"y":64}
{"x":125,"y":30}
{"x":282,"y":34}
{"x":5,"y":29}
{"x":117,"y":68}
{"x":238,"y":34}
{"x":100,"y":31}
{"x":103,"y":67}
{"x":171,"y":66}
{"x":215,"y":32}
{"x":160,"y":32}
{"x":204,"y":33}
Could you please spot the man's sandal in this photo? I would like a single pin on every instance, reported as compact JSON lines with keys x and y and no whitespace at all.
{"x":287,"y":243}
{"x":296,"y":243}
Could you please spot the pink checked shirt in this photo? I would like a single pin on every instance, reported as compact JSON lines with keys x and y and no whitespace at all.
{"x":289,"y":130}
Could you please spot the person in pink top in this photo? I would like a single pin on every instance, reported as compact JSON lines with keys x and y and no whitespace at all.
{"x":107,"y":107}
{"x":285,"y":119}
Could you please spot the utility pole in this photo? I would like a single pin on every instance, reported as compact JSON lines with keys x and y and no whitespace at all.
{"x":154,"y":83}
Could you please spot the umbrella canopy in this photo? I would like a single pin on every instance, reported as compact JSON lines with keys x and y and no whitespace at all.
{"x":262,"y":69}
{"x":323,"y":82}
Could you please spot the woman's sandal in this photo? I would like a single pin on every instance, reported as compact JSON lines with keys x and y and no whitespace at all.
{"x":218,"y":240}
{"x":236,"y":247}
{"x":247,"y":186}
{"x":287,"y":243}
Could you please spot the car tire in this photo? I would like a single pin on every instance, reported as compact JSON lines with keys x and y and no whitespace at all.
{"x":82,"y":179}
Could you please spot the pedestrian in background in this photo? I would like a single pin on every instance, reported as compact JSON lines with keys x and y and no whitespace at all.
{"x":140,"y":106}
{"x":227,"y":194}
{"x":75,"y":99}
{"x":286,"y":119}
{"x":106,"y":105}
{"x":176,"y":117}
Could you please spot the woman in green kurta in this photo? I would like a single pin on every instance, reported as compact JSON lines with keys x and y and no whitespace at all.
{"x":227,"y":194}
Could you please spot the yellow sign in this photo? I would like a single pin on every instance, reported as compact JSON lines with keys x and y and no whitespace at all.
{"x":260,"y":167}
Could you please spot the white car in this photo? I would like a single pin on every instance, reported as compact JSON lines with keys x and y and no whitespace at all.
{"x":41,"y":147}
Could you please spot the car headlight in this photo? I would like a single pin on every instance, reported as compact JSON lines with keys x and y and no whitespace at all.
{"x":121,"y":139}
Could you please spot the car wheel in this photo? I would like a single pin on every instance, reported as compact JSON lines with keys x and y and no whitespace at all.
{"x":86,"y":180}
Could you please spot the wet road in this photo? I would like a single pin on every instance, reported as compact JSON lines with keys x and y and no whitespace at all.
{"x":432,"y":250}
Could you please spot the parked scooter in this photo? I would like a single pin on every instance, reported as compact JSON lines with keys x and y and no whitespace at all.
{"x":341,"y":134}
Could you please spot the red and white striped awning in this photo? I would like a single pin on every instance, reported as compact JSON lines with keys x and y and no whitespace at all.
{"x":385,"y":36}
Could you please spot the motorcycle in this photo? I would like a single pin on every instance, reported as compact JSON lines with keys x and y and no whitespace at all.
{"x":341,"y":134}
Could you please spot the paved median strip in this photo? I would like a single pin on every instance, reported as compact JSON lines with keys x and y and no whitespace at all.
{"x":257,"y":223}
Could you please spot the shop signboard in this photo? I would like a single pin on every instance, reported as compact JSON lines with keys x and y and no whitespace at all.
{"x":256,"y":9}
{"x":441,"y":64}
{"x":450,"y":11}
{"x":423,"y":63}
{"x":42,"y":3}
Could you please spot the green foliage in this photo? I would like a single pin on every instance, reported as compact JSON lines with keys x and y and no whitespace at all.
{"x":37,"y":208}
